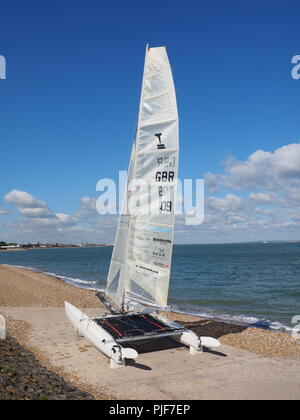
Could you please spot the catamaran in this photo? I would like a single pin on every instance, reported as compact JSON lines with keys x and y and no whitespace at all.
{"x":138,"y":280}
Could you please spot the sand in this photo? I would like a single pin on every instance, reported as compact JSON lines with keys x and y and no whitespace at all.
{"x":12,"y":249}
{"x":22,"y":287}
{"x":251,"y":363}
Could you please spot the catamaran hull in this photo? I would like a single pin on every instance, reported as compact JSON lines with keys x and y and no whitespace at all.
{"x":98,"y":337}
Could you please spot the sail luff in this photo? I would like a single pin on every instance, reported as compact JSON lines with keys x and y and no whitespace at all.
{"x":115,"y":280}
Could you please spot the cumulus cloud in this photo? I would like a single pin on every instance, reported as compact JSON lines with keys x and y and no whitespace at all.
{"x":28,"y":205}
{"x":263,"y":170}
{"x":35,"y":212}
{"x":23,"y":199}
{"x":39,"y":223}
{"x":229,"y":202}
{"x":64,"y":219}
{"x":263,"y":198}
{"x":55,"y":221}
{"x":37,"y":217}
{"x":256,"y":198}
{"x":87,"y":208}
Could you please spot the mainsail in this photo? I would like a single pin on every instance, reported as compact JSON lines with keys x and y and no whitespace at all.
{"x":141,"y":260}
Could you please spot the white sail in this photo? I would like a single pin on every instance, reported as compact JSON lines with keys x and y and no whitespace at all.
{"x":115,"y":281}
{"x":141,"y":261}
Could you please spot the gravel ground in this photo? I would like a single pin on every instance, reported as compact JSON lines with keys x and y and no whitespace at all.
{"x":256,"y":340}
{"x":22,"y":377}
{"x":18,"y":332}
{"x":23,"y":287}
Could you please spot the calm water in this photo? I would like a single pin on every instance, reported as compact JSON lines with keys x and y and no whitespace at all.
{"x":252,"y":283}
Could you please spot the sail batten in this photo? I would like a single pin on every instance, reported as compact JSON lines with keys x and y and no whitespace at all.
{"x":142,"y":254}
{"x":149,"y":124}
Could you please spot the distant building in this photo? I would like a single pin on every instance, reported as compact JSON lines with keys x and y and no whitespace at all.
{"x":9,"y":246}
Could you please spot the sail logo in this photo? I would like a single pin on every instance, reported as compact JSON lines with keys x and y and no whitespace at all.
{"x":296,"y":68}
{"x":162,"y":240}
{"x":2,"y":67}
{"x":160,"y":144}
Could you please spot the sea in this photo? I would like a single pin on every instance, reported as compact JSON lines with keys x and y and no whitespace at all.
{"x":247,"y":283}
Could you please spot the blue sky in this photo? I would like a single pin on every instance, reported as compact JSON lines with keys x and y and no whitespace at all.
{"x":69,"y":107}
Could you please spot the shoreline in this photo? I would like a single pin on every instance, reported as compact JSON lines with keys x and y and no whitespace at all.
{"x":55,"y":247}
{"x":57,"y":287}
{"x":33,"y":304}
{"x":235,"y":320}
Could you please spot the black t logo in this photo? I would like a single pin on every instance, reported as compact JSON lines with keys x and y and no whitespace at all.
{"x":160,"y":145}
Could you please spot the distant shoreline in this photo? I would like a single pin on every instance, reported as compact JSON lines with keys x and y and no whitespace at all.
{"x":13,"y":249}
{"x":55,"y":247}
{"x":296,"y":241}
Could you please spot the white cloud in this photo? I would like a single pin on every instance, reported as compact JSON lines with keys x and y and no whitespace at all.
{"x":263,"y":198}
{"x":39,"y":223}
{"x":230,"y":202}
{"x":3,"y":211}
{"x":28,"y":205}
{"x":35,"y":212}
{"x":88,"y":203}
{"x":262,"y":170}
{"x":64,"y":219}
{"x":23,"y":199}
{"x":37,"y":218}
{"x":87,"y":208}
{"x":211,"y":181}
{"x":55,"y":221}
{"x":265,"y":204}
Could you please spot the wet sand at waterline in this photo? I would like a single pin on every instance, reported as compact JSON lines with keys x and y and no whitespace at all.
{"x":251,"y":363}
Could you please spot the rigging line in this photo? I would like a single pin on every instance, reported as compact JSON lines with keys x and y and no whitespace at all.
{"x":111,"y":326}
{"x":84,"y":302}
{"x":151,"y":322}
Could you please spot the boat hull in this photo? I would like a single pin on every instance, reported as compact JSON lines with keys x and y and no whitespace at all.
{"x":98,"y":337}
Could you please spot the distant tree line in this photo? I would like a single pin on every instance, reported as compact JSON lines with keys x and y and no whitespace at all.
{"x":2,"y":243}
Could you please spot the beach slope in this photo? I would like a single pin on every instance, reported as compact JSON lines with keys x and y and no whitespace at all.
{"x":250,"y":364}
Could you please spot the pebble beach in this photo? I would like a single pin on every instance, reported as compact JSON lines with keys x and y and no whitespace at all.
{"x":26,"y":291}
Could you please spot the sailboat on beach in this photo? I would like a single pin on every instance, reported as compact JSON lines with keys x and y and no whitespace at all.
{"x":139,"y":273}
